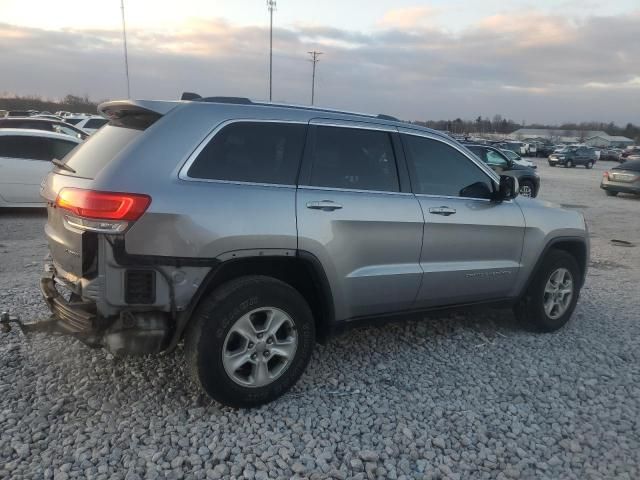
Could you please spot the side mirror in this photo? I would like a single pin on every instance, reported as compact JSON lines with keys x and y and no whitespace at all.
{"x":508,"y":189}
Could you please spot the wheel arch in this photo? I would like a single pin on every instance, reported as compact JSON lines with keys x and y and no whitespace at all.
{"x":575,"y":246}
{"x":302,"y":271}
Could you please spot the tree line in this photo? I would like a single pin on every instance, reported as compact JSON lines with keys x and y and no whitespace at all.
{"x":70,"y":103}
{"x":505,"y":126}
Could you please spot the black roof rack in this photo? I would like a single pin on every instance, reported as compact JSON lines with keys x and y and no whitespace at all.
{"x":247,"y":101}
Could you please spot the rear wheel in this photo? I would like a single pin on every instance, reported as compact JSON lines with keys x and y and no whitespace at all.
{"x":250,"y":341}
{"x":589,"y":164}
{"x":552,"y":295}
{"x":611,"y":193}
{"x":526,"y":189}
{"x":569,"y":164}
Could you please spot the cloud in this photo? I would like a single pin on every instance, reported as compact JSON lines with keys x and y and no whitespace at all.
{"x":522,"y":65}
{"x":409,"y":18}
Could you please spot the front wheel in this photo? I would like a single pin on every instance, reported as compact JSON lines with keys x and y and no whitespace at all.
{"x":527,"y":189}
{"x":611,"y":193}
{"x":250,"y":341}
{"x":569,"y":164}
{"x":553,"y":293}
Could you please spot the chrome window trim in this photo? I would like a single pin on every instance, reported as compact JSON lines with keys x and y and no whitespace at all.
{"x":353,"y":190}
{"x":360,"y":125}
{"x":183,"y":172}
{"x":451,"y":197}
{"x":478,"y":163}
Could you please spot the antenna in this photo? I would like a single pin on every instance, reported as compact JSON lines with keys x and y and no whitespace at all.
{"x":271,"y":5}
{"x":314,"y":59}
{"x":124,"y":41}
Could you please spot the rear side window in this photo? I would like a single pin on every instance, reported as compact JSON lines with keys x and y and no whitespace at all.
{"x":260,"y":152}
{"x":353,"y":158}
{"x":439,"y":169}
{"x":72,"y":121}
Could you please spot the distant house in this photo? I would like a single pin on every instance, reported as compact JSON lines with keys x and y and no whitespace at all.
{"x":611,"y":141}
{"x":594,"y":138}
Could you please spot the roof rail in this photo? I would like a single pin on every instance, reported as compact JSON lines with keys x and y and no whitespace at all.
{"x":236,"y":100}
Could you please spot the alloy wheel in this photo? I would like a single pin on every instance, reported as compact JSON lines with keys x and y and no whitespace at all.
{"x":558,"y":293}
{"x":259,"y":347}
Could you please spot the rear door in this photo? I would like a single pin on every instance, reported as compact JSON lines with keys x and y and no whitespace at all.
{"x":357,"y":216}
{"x":472,"y":246}
{"x":25,"y":162}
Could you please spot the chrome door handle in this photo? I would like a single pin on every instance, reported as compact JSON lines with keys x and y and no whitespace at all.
{"x":446,"y":211}
{"x":324,"y":205}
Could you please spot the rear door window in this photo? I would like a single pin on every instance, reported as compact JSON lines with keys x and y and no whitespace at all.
{"x":353,"y":158}
{"x":257,"y":152}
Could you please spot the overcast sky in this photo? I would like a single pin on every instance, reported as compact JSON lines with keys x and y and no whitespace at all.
{"x":534,"y":61}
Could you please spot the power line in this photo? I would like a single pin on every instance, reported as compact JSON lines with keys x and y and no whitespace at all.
{"x":124,"y":41}
{"x":314,"y":59}
{"x":271,"y":5}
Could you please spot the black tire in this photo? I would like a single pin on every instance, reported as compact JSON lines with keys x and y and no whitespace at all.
{"x":552,"y":164}
{"x":589,"y":164}
{"x":611,"y":193}
{"x":568,"y":164}
{"x":531,"y":309}
{"x":212,"y":321}
{"x":528,"y":183}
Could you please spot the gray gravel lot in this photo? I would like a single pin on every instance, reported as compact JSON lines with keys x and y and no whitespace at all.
{"x":458,"y":396}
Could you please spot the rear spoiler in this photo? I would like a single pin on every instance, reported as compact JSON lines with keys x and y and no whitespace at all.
{"x":138,"y":114}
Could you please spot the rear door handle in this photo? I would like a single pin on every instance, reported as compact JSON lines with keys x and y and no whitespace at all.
{"x":324,"y":205}
{"x":446,"y":211}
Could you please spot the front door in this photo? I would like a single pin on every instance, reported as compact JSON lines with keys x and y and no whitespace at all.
{"x":354,"y":217}
{"x":472,"y":246}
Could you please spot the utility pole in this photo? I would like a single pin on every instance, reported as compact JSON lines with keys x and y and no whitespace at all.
{"x":271,"y":5}
{"x":124,"y":41}
{"x":314,"y":60}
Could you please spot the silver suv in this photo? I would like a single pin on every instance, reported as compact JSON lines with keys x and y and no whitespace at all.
{"x":252,"y":230}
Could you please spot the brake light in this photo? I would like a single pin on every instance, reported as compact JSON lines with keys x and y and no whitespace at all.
{"x":103,"y":205}
{"x":606,"y":175}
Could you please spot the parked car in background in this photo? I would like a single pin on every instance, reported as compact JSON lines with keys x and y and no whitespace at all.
{"x":38,"y":123}
{"x":25,"y":159}
{"x":612,"y":154}
{"x":92,"y":124}
{"x":528,"y":180}
{"x":18,"y":113}
{"x":518,"y":147}
{"x":630,"y":153}
{"x":573,"y":156}
{"x":514,"y":157}
{"x":623,"y":178}
{"x":544,"y":150}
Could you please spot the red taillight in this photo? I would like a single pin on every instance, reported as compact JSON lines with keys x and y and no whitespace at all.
{"x":103,"y":205}
{"x":606,"y":175}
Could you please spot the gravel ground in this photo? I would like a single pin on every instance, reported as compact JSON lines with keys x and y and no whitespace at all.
{"x":460,"y":396}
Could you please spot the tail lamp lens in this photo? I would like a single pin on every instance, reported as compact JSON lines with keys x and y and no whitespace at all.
{"x":103,"y":205}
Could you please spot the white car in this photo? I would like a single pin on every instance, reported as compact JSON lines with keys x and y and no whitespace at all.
{"x":91,"y":124}
{"x":25,"y":159}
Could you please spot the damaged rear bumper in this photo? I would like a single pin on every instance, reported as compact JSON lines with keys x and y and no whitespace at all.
{"x":129,"y":333}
